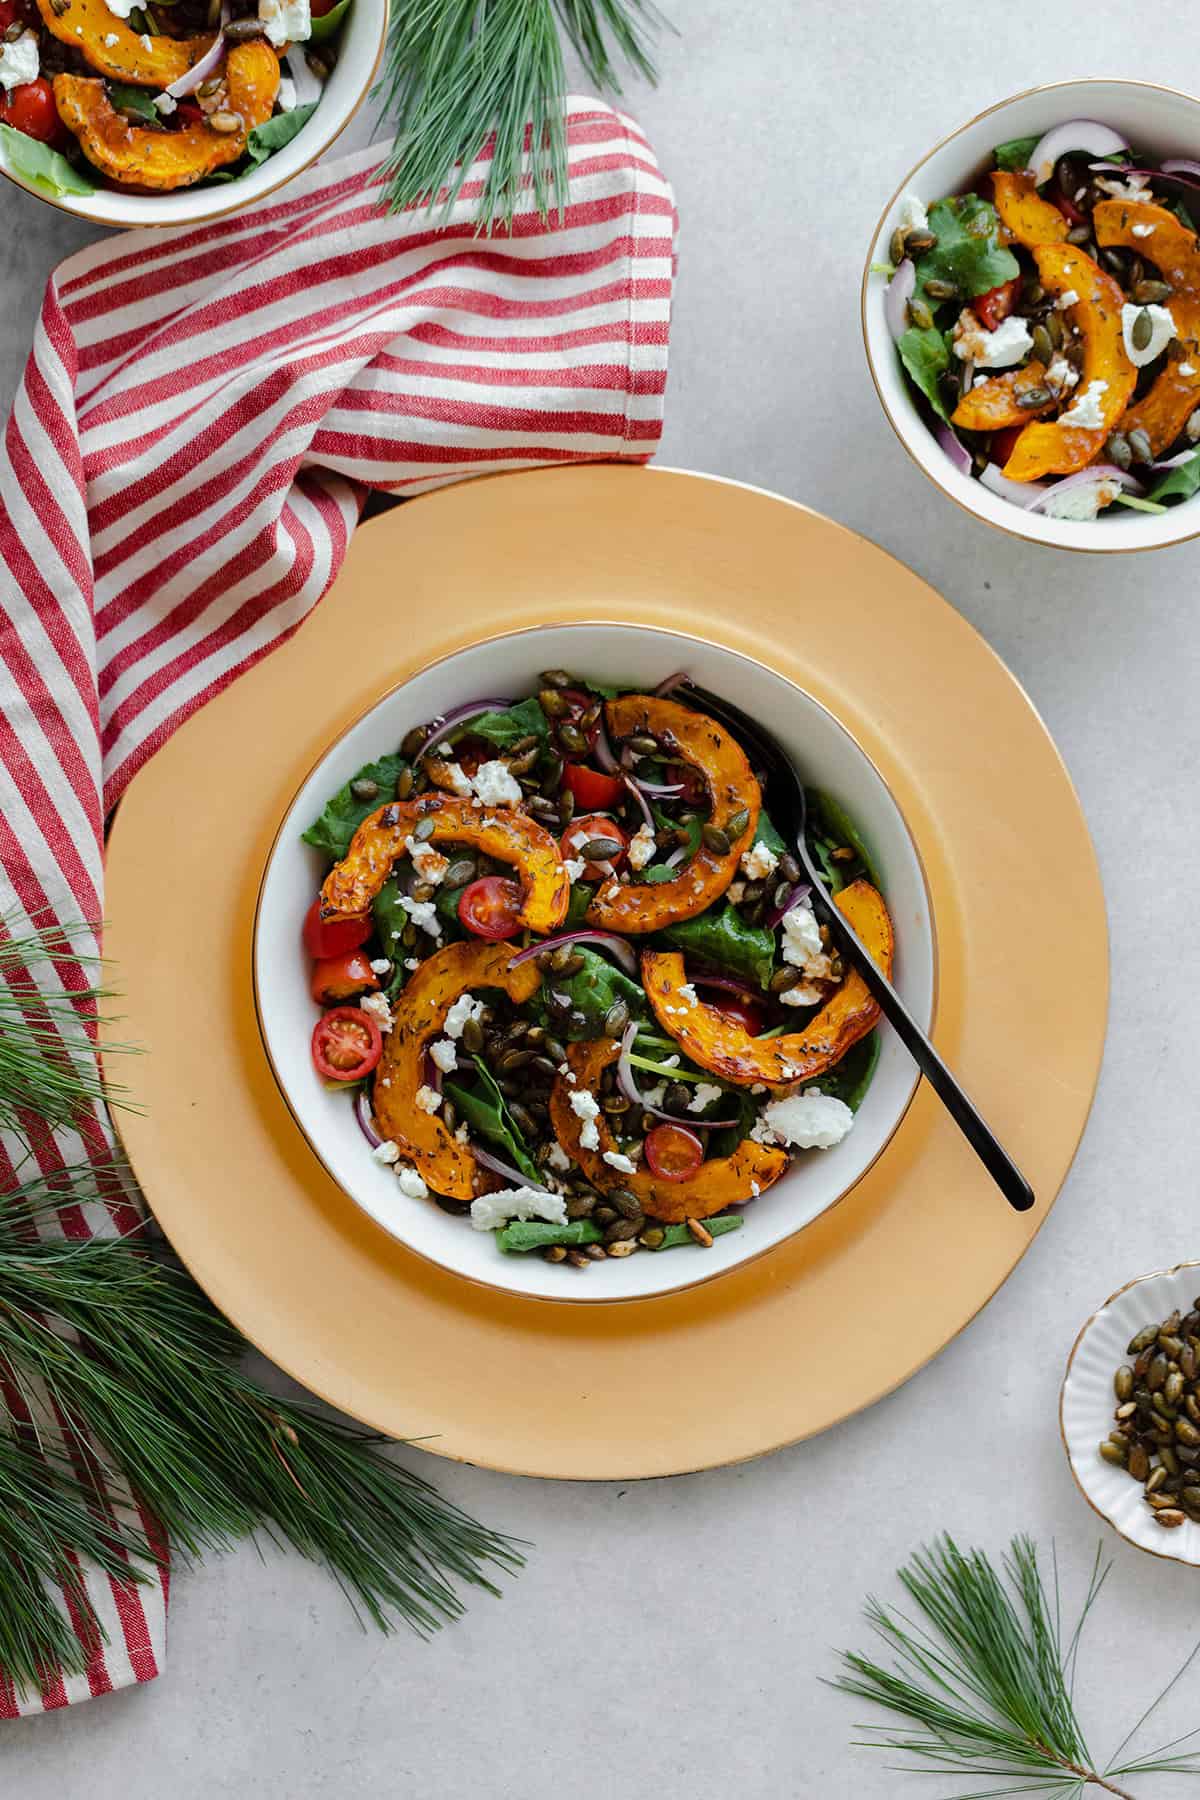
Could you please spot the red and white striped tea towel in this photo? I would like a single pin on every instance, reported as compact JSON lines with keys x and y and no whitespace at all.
{"x":201,"y":418}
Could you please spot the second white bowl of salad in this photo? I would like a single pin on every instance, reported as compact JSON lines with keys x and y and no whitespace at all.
{"x":539,"y":979}
{"x":1031,"y":315}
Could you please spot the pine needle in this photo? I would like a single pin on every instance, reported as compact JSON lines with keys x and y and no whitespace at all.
{"x":459,"y":70}
{"x":984,"y":1683}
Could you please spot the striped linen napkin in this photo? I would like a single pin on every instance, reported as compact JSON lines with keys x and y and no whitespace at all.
{"x":202,"y":416}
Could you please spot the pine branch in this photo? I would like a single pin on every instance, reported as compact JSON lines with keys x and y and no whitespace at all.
{"x":983,"y":1687}
{"x":133,"y":1357}
{"x":459,"y":70}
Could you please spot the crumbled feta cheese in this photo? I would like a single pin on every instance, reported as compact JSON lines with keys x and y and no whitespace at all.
{"x":429,"y":863}
{"x":460,"y":781}
{"x":427,"y":1099}
{"x":412,"y":962}
{"x":557,"y":1158}
{"x":147,"y":43}
{"x":422,"y":913}
{"x":759,"y":861}
{"x":444,"y":1055}
{"x":285,"y":21}
{"x":620,"y":1162}
{"x":1068,"y":298}
{"x":1083,"y":501}
{"x":1162,"y":330}
{"x":913,"y":216}
{"x":567,"y":1072}
{"x":641,"y":846}
{"x":668,"y":1062}
{"x":758,"y":1087}
{"x":1133,"y":188}
{"x":165,"y":104}
{"x":574,"y":866}
{"x":121,"y":9}
{"x":755,"y":1190}
{"x":653,"y":1096}
{"x":491,"y":1211}
{"x":808,"y":1121}
{"x":736,"y":892}
{"x":464,"y":1008}
{"x":287,"y":94}
{"x":997,"y":349}
{"x":380,"y":965}
{"x":586,"y":1107}
{"x":387,"y":1152}
{"x":19,"y":61}
{"x":801,"y":937}
{"x":1141,"y":231}
{"x":411,"y":1182}
{"x":1061,"y":374}
{"x":1186,"y":369}
{"x":1193,"y":426}
{"x":380,"y":1011}
{"x":496,"y":786}
{"x":687,"y":992}
{"x":803,"y":994}
{"x":706,"y":1093}
{"x":462,"y":1135}
{"x":1086,"y":412}
{"x":111,"y":39}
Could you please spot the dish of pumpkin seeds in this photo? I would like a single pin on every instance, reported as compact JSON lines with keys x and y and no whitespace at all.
{"x":570,"y":976}
{"x":1156,"y":1431}
{"x":1048,"y":322}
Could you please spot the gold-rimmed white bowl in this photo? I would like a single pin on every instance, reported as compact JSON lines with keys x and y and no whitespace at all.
{"x":1157,"y":121}
{"x":827,"y":756}
{"x":359,"y":54}
{"x":1088,"y":1400}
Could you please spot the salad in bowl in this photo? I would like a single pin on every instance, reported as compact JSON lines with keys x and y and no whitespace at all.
{"x":1047,"y":320}
{"x":569,"y":979}
{"x":153,"y":98}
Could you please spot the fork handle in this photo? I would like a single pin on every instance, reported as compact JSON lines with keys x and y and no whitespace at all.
{"x":966,"y":1115}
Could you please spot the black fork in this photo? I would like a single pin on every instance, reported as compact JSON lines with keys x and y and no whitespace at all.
{"x":789,"y":811}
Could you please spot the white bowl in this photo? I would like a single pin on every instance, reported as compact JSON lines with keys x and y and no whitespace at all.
{"x":360,"y":49}
{"x":1156,"y":120}
{"x":1088,"y":1400}
{"x":826,"y":755}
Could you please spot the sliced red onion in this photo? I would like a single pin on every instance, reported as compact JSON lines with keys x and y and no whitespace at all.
{"x":505,"y":1170}
{"x":624,"y":953}
{"x":899,"y":292}
{"x":362,"y":1112}
{"x":798,"y":894}
{"x":309,"y":87}
{"x":659,"y":790}
{"x":456,"y":717}
{"x":1092,"y":476}
{"x":1021,"y":493}
{"x":672,"y":682}
{"x":677,"y":856}
{"x":1179,"y":169}
{"x":1180,"y":165}
{"x":1087,"y":135}
{"x":726,"y":984}
{"x":1174,"y":462}
{"x":627,"y":1082}
{"x":602,"y":749}
{"x":635,"y":793}
{"x":958,"y":453}
{"x":200,"y":71}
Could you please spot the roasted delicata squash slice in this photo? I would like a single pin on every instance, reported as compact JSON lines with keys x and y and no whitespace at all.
{"x":160,"y":161}
{"x":718,"y":1183}
{"x":1029,"y":219}
{"x":733,"y":792}
{"x":510,"y":837}
{"x":996,"y":402}
{"x":1048,"y":447}
{"x":1165,"y":241}
{"x":114,"y":49}
{"x":420,"y":1015}
{"x":724,"y":1047}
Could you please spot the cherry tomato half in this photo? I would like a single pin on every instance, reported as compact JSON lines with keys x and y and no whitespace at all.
{"x":332,"y":937}
{"x":731,"y":1006}
{"x":673,"y":1152}
{"x":30,"y":108}
{"x":593,"y":825}
{"x":341,"y":977}
{"x":346,"y":1044}
{"x":491,"y":907}
{"x":1003,"y":443}
{"x":997,"y":303}
{"x":591,"y":788}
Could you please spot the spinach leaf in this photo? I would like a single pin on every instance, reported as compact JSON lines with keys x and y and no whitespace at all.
{"x":658,"y":871}
{"x":852,"y":1077}
{"x":968,"y":251}
{"x":485,"y":1110}
{"x":594,"y":989}
{"x":765,"y":833}
{"x":344,"y":814}
{"x":504,"y":729}
{"x":581,"y":899}
{"x":721,"y":938}
{"x":839,"y":829}
{"x":136,"y":100}
{"x":326,"y":24}
{"x":1180,"y":483}
{"x":445,"y":903}
{"x":726,"y":1141}
{"x":1016,"y":153}
{"x":40,"y":166}
{"x":390,"y":920}
{"x":925,"y":356}
{"x":608,"y":690}
{"x":266,"y":139}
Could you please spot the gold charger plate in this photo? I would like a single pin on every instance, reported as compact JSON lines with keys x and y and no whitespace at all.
{"x":734,"y":1367}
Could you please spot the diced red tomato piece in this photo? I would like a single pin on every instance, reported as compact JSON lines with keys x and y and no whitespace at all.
{"x":592,"y":788}
{"x":30,"y":108}
{"x":997,"y":303}
{"x":324,"y":938}
{"x":341,"y":977}
{"x":346,"y":1044}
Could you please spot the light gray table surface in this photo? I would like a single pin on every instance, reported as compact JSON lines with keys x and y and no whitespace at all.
{"x":670,"y":1638}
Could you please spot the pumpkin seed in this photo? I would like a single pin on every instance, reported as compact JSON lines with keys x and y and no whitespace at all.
{"x":615,"y":1103}
{"x":625,"y":1248}
{"x":941,"y":290}
{"x":241,"y":31}
{"x":226,"y":123}
{"x":653,"y":1237}
{"x":616,"y":1019}
{"x":1169,"y":1518}
{"x":554,"y":1253}
{"x":566,"y":806}
{"x":1156,"y":1374}
{"x":1138,"y":1463}
{"x":643,"y":746}
{"x":1056,"y":330}
{"x":1139,"y":444}
{"x":789,"y":868}
{"x":1142,"y":330}
{"x":412,"y":740}
{"x":601,"y":849}
{"x":700,"y":1232}
{"x":555,"y":1050}
{"x":896,"y":247}
{"x":734,"y":827}
{"x":572,"y":738}
{"x":581,"y":1206}
{"x":1032,"y":397}
{"x":553,"y":704}
{"x":1169,"y":1458}
{"x":1173,"y":1387}
{"x":1114,"y":1453}
{"x":676,"y":1098}
{"x":1187,"y":1363}
{"x":620,"y":1230}
{"x":555,"y":678}
{"x":364,"y":788}
{"x":919,"y":314}
{"x":1151,"y":293}
{"x":1123,"y":1382}
{"x":1186,"y":1433}
{"x":627,"y":1204}
{"x":1157,"y":1476}
{"x":1079,"y":234}
{"x":605,"y":1215}
{"x":404,"y":784}
{"x":918,"y":241}
{"x":521,"y":765}
{"x":1190,"y":1496}
{"x":1043,"y":346}
{"x":1033,"y":293}
{"x":472,"y":1036}
{"x":1117,"y":450}
{"x":716,"y":840}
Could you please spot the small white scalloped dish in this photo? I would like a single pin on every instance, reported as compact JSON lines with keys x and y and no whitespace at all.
{"x":1088,"y":1401}
{"x":827,"y":757}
